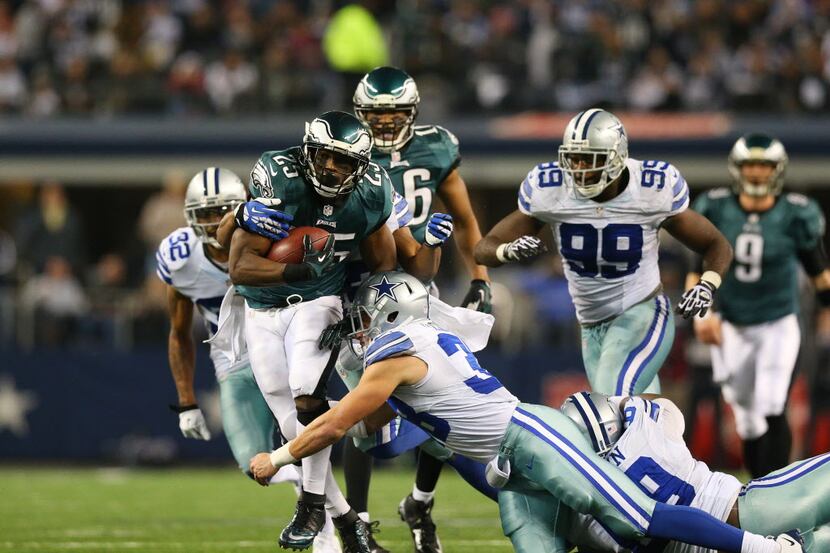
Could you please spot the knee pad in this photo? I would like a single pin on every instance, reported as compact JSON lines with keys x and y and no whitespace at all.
{"x":306,"y":416}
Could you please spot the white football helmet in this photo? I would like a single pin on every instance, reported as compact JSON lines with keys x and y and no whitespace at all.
{"x":336,"y":150}
{"x":210,"y":194}
{"x":759,"y":148}
{"x":593,"y":151}
{"x":597,"y":417}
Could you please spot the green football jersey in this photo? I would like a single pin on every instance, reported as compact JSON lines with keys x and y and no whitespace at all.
{"x":419,"y":168}
{"x":277,"y":174}
{"x":762,"y":284}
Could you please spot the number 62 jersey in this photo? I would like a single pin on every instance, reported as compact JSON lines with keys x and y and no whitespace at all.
{"x":609,"y":248}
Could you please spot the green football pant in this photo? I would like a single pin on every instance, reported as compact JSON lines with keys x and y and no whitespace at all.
{"x":623,"y":355}
{"x":797,"y":496}
{"x":248,"y":423}
{"x":534,"y":521}
{"x":548,"y":453}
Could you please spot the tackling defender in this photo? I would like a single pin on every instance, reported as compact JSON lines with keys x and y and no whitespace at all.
{"x":331,"y":183}
{"x":755,"y":336}
{"x":194,"y":266}
{"x":433,"y":379}
{"x":606,"y":211}
{"x":644,"y":438}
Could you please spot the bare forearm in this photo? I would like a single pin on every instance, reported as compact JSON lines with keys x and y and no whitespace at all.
{"x":424,"y":264}
{"x":485,"y":251}
{"x":467,"y":236}
{"x":253,"y":270}
{"x":718,"y":256}
{"x":181,"y":353}
{"x":225,"y":231}
{"x":320,"y":434}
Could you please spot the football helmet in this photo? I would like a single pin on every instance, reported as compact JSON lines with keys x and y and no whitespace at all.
{"x":593,"y":151}
{"x":758,"y":148}
{"x":384,"y":301}
{"x":210,"y":194}
{"x":597,"y":417}
{"x":335,"y":153}
{"x":391,"y":91}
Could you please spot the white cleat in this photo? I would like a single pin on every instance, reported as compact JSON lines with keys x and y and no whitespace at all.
{"x":326,"y":541}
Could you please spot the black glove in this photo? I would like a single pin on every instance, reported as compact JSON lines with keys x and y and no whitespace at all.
{"x":479,"y":297}
{"x":333,"y":334}
{"x":318,"y":262}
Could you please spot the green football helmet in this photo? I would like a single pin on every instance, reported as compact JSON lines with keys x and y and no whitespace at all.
{"x":336,"y":150}
{"x":386,"y":100}
{"x":757,"y":147}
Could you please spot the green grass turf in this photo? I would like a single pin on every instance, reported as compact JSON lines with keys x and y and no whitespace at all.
{"x":87,"y":509}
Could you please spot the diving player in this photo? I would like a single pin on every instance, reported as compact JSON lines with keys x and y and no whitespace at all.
{"x":422,"y":161}
{"x":755,"y":334}
{"x":331,"y":183}
{"x":433,"y":379}
{"x":194,"y":266}
{"x":606,"y":211}
{"x":644,"y":438}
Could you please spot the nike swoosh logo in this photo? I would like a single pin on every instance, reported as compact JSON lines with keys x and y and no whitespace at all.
{"x":293,"y":536}
{"x":321,"y":258}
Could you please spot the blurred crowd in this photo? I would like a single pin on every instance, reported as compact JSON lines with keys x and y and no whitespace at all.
{"x":199,"y":57}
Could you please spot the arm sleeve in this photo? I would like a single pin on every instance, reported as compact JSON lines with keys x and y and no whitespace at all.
{"x":670,"y":419}
{"x":808,"y":224}
{"x":526,"y":193}
{"x":449,"y":143}
{"x":679,"y":191}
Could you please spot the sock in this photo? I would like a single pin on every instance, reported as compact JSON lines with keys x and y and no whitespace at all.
{"x":423,"y":497}
{"x":473,"y":473}
{"x":779,"y":443}
{"x":429,"y":469}
{"x":349,"y":517}
{"x":313,"y":498}
{"x":314,"y":468}
{"x":754,"y":455}
{"x":364,"y":516}
{"x":695,"y":527}
{"x":336,"y":504}
{"x":357,"y":470}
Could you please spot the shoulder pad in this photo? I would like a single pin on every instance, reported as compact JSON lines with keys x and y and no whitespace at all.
{"x":797,"y":199}
{"x":637,"y":407}
{"x":174,"y":251}
{"x":272,"y":168}
{"x":392,"y":343}
{"x":719,"y":193}
{"x":548,"y":175}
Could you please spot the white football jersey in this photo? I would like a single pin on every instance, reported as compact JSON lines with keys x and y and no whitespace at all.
{"x":182,"y":263}
{"x":653,"y":454}
{"x":457,"y":402}
{"x":609,"y":249}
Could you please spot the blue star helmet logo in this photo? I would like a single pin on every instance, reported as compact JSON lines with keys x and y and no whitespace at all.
{"x":385,"y":288}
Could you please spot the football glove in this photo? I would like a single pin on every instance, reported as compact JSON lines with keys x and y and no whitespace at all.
{"x":260,"y":217}
{"x":316,"y":262}
{"x":524,"y":247}
{"x":790,"y":542}
{"x":697,"y":300}
{"x":439,"y":229}
{"x":478,"y":297}
{"x":192,"y":424}
{"x":334,"y":334}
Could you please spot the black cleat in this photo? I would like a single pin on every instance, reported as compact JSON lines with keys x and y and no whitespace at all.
{"x":306,"y":523}
{"x":416,"y":514}
{"x":355,"y":537}
{"x":374,"y":546}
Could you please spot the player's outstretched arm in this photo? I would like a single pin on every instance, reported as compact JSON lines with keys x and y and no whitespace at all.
{"x":512,"y":239}
{"x":181,"y":353}
{"x":378,"y":250}
{"x":453,"y":192}
{"x":376,"y":385}
{"x":415,"y":258}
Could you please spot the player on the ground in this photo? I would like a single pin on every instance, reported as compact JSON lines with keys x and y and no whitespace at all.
{"x":755,"y":335}
{"x":195,"y":267}
{"x":432,"y":378}
{"x":644,"y":438}
{"x":328,"y":182}
{"x":422,"y":161}
{"x":606,"y":211}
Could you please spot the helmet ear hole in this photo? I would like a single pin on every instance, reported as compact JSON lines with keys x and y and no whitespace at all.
{"x":392,"y":316}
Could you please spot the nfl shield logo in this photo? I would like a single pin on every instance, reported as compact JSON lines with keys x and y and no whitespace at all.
{"x":328,"y":210}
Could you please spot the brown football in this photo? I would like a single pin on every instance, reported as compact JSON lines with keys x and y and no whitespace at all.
{"x":290,"y":248}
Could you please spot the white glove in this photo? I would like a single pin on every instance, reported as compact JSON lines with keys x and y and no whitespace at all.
{"x":789,"y":543}
{"x":697,"y":300}
{"x":439,"y":229}
{"x":192,"y":424}
{"x":519,"y":249}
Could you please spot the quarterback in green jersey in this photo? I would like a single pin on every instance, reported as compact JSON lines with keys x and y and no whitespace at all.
{"x":755,"y":336}
{"x":328,"y":182}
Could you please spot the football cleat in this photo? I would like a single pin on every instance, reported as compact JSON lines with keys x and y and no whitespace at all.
{"x":417,"y":515}
{"x":790,"y":542}
{"x":306,"y":523}
{"x":355,"y":537}
{"x":326,"y":541}
{"x":374,"y":546}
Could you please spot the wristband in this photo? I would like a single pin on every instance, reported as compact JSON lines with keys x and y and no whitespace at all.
{"x":281,"y":457}
{"x":824,"y":297}
{"x":295,"y":272}
{"x":182,"y":408}
{"x":712,"y":278}
{"x":238,"y":216}
{"x":500,"y":255}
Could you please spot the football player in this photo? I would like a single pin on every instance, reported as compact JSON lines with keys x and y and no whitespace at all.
{"x":195,"y":268}
{"x":422,"y":161}
{"x":328,"y":182}
{"x":644,"y":438}
{"x":755,"y":334}
{"x":430,"y":376}
{"x":606,"y":211}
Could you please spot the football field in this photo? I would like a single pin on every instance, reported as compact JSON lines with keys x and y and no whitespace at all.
{"x":215,"y":509}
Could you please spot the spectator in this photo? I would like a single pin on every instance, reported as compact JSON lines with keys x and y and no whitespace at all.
{"x":55,"y":301}
{"x":162,"y":214}
{"x":230,"y":83}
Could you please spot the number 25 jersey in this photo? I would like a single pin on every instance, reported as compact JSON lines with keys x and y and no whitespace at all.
{"x":609,"y":249}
